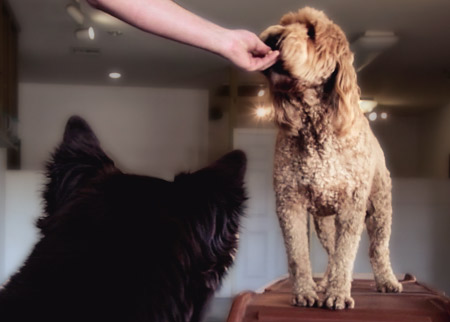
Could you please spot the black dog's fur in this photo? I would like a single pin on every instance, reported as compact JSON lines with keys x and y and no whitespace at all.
{"x":119,"y":247}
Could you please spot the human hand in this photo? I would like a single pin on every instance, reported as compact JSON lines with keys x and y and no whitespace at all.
{"x":247,"y":51}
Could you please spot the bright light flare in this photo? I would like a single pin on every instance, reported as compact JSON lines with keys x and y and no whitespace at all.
{"x":115,"y":75}
{"x":262,"y":112}
{"x":91,"y":33}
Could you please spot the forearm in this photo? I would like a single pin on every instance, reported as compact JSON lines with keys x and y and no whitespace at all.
{"x":167,"y":19}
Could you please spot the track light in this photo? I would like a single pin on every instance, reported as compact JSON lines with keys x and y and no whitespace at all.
{"x":73,"y":10}
{"x":75,"y":13}
{"x":84,"y":34}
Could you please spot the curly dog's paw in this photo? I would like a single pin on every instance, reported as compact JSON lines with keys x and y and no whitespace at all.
{"x":337,"y":301}
{"x":306,"y":298}
{"x":390,"y":286}
{"x":322,"y":285}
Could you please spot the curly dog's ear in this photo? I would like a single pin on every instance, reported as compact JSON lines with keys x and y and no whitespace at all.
{"x":345,"y":92}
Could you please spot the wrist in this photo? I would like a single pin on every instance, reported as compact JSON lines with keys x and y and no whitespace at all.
{"x":220,"y":41}
{"x":226,"y":43}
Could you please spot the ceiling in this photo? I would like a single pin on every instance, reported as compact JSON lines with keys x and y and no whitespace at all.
{"x":415,"y":72}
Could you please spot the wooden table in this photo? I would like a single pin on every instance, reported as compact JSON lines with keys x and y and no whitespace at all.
{"x":416,"y":303}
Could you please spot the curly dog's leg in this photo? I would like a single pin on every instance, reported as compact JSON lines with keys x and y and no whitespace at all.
{"x":293,"y":222}
{"x":326,"y":232}
{"x":378,"y":223}
{"x":349,"y":225}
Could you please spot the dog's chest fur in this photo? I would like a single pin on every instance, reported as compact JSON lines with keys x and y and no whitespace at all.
{"x":325,"y":169}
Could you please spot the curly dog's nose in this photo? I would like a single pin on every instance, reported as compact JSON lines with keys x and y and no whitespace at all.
{"x":273,"y":41}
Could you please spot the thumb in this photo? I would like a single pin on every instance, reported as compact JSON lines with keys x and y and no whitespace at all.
{"x":260,"y":48}
{"x":262,"y":63}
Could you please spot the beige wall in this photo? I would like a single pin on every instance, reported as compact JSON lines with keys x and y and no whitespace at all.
{"x":416,"y":144}
{"x":2,"y":210}
{"x":435,"y":152}
{"x":152,"y":131}
{"x":399,"y":137}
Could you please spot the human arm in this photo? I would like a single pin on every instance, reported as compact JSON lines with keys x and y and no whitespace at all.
{"x":167,"y":19}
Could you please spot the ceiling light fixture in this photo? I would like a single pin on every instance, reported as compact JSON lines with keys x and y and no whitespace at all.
{"x":85,"y":34}
{"x":261,"y":92}
{"x":384,"y":115}
{"x":115,"y":75}
{"x":75,"y":13}
{"x":367,"y":105}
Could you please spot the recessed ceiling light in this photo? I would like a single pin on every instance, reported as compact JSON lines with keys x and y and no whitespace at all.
{"x":384,"y":115}
{"x":373,"y":116}
{"x":115,"y":75}
{"x":261,"y":92}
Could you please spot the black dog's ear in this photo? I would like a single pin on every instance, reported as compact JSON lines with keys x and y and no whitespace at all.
{"x":78,"y":135}
{"x":79,"y":157}
{"x":228,"y":182}
{"x":232,"y":166}
{"x":221,"y":183}
{"x":228,"y":170}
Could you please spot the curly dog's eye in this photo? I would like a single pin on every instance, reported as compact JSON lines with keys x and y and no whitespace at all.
{"x":311,"y":32}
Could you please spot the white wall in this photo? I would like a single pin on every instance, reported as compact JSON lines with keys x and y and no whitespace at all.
{"x":23,"y":207}
{"x":2,"y":211}
{"x":416,"y":145}
{"x":419,"y":239}
{"x":150,"y":131}
{"x":399,"y":136}
{"x":435,"y":150}
{"x":162,"y":131}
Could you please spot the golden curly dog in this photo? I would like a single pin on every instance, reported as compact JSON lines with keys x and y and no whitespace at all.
{"x":327,"y":161}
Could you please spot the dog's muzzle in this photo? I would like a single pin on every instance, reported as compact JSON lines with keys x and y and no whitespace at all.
{"x":273,"y":41}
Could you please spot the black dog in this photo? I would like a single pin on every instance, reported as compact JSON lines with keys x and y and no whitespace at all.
{"x":119,"y":247}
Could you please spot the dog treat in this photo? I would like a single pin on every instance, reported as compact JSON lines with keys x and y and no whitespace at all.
{"x":328,"y":163}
